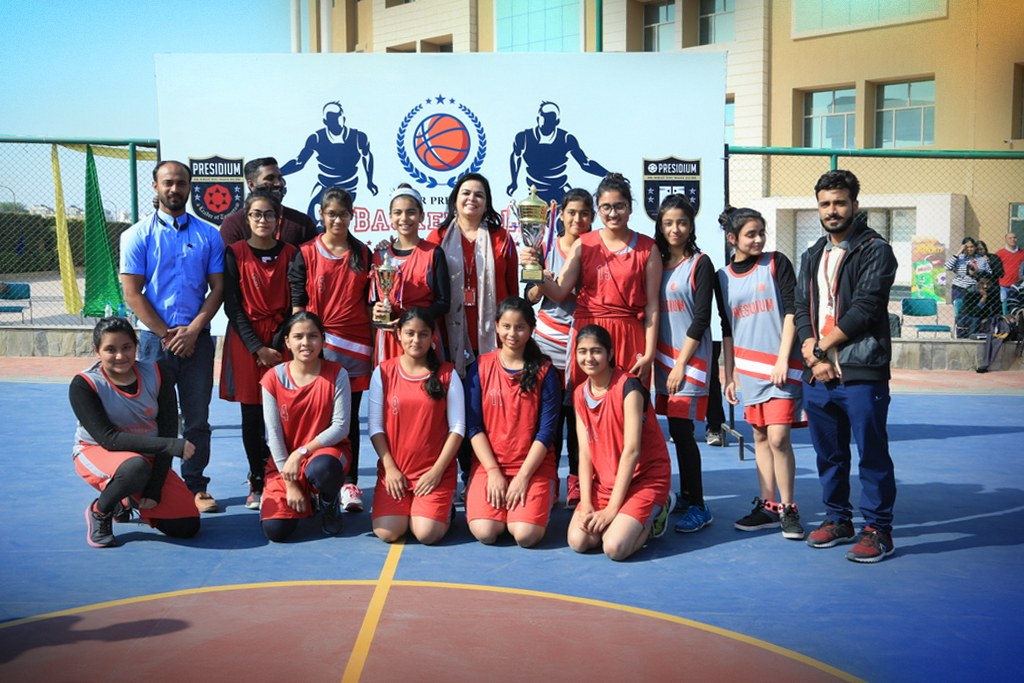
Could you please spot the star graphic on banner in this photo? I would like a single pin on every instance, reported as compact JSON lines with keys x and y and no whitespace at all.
{"x":429,"y":100}
{"x":440,"y":99}
{"x":451,"y":100}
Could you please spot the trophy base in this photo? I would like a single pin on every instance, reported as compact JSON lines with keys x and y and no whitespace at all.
{"x":381,"y":325}
{"x":532,"y":277}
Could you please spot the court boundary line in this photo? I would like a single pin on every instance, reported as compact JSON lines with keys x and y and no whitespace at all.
{"x":592,"y":602}
{"x":361,"y":649}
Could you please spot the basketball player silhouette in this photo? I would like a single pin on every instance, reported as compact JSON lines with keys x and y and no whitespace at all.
{"x":338,"y":149}
{"x":546,"y":149}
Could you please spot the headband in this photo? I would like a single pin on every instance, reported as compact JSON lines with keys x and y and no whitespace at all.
{"x":407,"y":192}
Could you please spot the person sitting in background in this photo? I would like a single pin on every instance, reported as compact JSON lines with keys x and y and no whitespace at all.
{"x":979,"y":307}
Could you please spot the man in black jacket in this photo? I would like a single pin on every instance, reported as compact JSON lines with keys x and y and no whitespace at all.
{"x":842,"y":320}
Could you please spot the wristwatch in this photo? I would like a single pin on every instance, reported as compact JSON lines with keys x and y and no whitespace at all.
{"x":303,"y":451}
{"x":819,"y":353}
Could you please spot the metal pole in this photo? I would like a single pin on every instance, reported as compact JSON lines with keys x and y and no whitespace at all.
{"x":14,"y":198}
{"x":325,"y":26}
{"x":133,"y":178}
{"x":296,"y":14}
{"x":599,"y":27}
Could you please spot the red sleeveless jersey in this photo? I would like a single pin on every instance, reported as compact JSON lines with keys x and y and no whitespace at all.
{"x":305,"y":411}
{"x":266,"y":299}
{"x":611,"y":285}
{"x":413,"y":286}
{"x":415,"y":424}
{"x":336,"y":293}
{"x":605,"y":425}
{"x":511,"y":418}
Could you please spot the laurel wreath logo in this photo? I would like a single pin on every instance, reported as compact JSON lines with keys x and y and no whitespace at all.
{"x":421,"y":177}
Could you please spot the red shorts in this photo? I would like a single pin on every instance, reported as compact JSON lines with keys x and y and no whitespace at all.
{"x":97,"y":465}
{"x":774,"y":411}
{"x":436,"y":505}
{"x":539,"y":499}
{"x":274,"y":504}
{"x":643,"y":499}
{"x":687,"y":407}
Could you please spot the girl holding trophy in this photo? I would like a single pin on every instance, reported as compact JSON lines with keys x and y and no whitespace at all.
{"x":328,"y":276}
{"x":421,"y":278}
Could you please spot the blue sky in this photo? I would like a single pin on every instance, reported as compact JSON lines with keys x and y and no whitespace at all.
{"x":85,"y":68}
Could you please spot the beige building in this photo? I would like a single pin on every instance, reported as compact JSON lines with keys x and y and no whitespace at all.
{"x":920,"y":75}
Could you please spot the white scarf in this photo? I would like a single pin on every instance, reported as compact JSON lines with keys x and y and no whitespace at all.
{"x":458,"y":335}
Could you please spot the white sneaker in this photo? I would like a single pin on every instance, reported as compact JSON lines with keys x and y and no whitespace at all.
{"x":351,"y":498}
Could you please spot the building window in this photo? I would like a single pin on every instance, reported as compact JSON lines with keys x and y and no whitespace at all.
{"x":1017,"y":221}
{"x":905,"y":114}
{"x":717,"y":23}
{"x":537,"y":26}
{"x":821,"y":17}
{"x":829,"y":119}
{"x":660,"y":26}
{"x":730,"y":122}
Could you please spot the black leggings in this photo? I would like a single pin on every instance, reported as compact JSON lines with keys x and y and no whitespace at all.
{"x":326,"y":474}
{"x":254,"y":439}
{"x":716,"y":411}
{"x":353,"y":436}
{"x":566,"y":428}
{"x":130,"y":478}
{"x":691,"y":482}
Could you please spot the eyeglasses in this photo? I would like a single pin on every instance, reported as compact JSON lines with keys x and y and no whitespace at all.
{"x":257,"y":216}
{"x":333,"y":215}
{"x":609,"y":209}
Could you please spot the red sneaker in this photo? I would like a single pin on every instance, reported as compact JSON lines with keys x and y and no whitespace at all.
{"x":572,"y":492}
{"x":872,"y":546}
{"x":830,"y":534}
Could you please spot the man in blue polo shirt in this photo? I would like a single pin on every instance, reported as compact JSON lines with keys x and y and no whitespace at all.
{"x":172,"y":272}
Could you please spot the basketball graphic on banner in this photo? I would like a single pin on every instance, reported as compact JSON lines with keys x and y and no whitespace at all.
{"x":441,"y":142}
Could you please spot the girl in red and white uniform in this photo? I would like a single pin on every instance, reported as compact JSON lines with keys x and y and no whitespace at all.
{"x":684,"y":348}
{"x":423,"y":278}
{"x":307,"y":408}
{"x":482,"y":272}
{"x":126,"y":437}
{"x":625,"y":474}
{"x":511,"y":410}
{"x":257,"y":302}
{"x":617,"y":271}
{"x":554,"y":324}
{"x":416,"y":422}
{"x":329,"y":276}
{"x":758,"y":304}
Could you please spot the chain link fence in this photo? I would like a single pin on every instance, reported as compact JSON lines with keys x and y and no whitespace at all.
{"x":923,"y":203}
{"x":43,"y":252}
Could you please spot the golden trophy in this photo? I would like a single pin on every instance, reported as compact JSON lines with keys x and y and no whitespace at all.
{"x":533,"y":221}
{"x":385,"y":277}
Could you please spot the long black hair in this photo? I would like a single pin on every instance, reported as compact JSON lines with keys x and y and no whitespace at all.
{"x":533,"y":357}
{"x":675,"y":201}
{"x":491,"y":220}
{"x":112,"y":325}
{"x":432,"y":385}
{"x":357,"y":260}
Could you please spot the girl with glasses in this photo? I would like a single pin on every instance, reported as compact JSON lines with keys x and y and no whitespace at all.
{"x":329,"y":277}
{"x":256,"y":302}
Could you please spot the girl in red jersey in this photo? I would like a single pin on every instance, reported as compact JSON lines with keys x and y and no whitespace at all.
{"x":424,"y":271}
{"x":758,"y":338}
{"x":416,"y":422}
{"x":617,"y":272}
{"x":512,"y":409}
{"x":684,"y":348}
{"x":256,"y":302}
{"x":307,"y":408}
{"x":482,"y":272}
{"x":329,"y":277}
{"x":625,"y":474}
{"x":126,"y":437}
{"x":554,"y":323}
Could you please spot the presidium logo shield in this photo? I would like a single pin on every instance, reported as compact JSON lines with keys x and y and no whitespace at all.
{"x":217,"y":187}
{"x":670,"y":175}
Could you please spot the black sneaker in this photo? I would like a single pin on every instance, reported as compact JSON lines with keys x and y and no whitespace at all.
{"x":122,"y":512}
{"x":759,"y":518}
{"x":99,"y":527}
{"x":331,"y":521}
{"x":790,"y":521}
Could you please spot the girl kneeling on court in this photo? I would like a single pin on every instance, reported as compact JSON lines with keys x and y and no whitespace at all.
{"x":307,"y":408}
{"x":416,"y":422}
{"x":758,"y":339}
{"x":512,"y":411}
{"x":126,"y":437}
{"x":625,"y":473}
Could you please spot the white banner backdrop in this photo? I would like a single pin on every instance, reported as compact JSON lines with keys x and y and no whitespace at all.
{"x":368,"y":122}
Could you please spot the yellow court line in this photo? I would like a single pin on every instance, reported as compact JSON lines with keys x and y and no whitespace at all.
{"x":357,"y":660}
{"x":355,"y":666}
